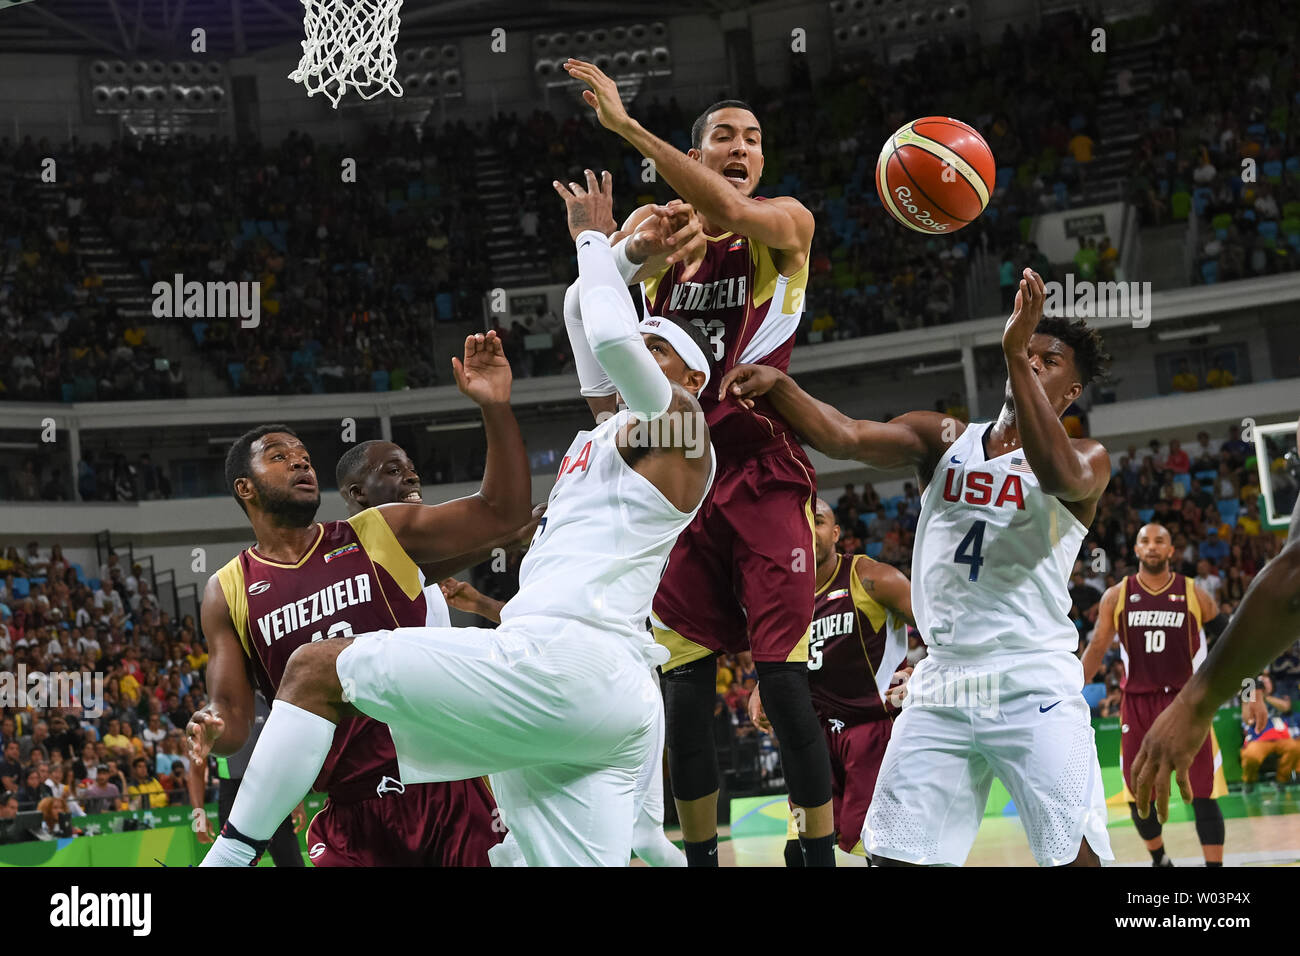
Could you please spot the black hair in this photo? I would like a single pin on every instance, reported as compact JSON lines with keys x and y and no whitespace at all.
{"x":1091,"y":359}
{"x":239,"y":459}
{"x":351,"y":462}
{"x":701,"y":121}
{"x":694,"y":333}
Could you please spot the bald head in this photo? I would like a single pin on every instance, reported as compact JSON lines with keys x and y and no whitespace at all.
{"x":1154,"y":548}
{"x":374,"y":473}
{"x":826,"y":533}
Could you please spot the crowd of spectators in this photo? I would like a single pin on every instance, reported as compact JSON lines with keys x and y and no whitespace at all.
{"x":1221,"y":138}
{"x":89,"y":755}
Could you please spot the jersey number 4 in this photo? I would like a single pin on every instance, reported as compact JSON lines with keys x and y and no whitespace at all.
{"x":713,"y":331}
{"x":968,"y":552}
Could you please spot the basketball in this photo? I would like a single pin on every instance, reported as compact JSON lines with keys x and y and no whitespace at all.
{"x":935,"y":175}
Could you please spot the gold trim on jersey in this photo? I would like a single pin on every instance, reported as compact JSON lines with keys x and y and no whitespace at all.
{"x":682,"y":649}
{"x":863,"y":599}
{"x":1119,"y":606}
{"x":1192,"y":601}
{"x":767,"y":275}
{"x":839,"y":560}
{"x":1173,"y":576}
{"x":377,"y":537}
{"x":231,"y":579}
{"x":799,"y":653}
{"x":320,"y":535}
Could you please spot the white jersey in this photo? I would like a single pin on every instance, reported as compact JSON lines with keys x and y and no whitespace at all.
{"x":436,"y":612}
{"x":602,"y":546}
{"x":992,"y":558}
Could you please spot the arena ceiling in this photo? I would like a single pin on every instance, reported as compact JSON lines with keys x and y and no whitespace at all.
{"x":236,"y":27}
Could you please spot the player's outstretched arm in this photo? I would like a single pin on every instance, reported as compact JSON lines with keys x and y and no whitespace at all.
{"x":223,"y":725}
{"x":1266,"y":622}
{"x":1103,"y":635}
{"x":515,"y":541}
{"x":1064,"y":470}
{"x":782,"y":223}
{"x":916,"y":439}
{"x":435,"y":533}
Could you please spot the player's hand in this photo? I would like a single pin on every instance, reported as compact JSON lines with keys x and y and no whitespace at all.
{"x":673,"y":231}
{"x":756,"y":715}
{"x":1030,"y":298}
{"x":1170,"y":746}
{"x":202,"y":731}
{"x":200,"y":825}
{"x":460,"y":595}
{"x":745,"y":383}
{"x":1255,"y":712}
{"x":898,"y":687}
{"x":525,"y":535}
{"x":299,"y":817}
{"x":603,"y":95}
{"x":484,"y":374}
{"x":590,"y":205}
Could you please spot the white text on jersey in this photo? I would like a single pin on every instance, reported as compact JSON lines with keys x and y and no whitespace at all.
{"x":979,"y":489}
{"x":315,"y":607}
{"x":832,"y":625}
{"x":708,"y":296}
{"x":1155,"y":618}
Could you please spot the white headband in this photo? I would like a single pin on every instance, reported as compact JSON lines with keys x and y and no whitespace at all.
{"x":680,"y":340}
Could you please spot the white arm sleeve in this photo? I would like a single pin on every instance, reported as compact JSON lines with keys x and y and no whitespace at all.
{"x":591,"y":376}
{"x":609,"y":320}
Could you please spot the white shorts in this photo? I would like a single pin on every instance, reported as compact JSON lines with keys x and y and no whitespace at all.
{"x":1022,"y":719}
{"x":560,"y":715}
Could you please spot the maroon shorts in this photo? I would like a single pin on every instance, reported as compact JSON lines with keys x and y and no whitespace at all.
{"x":1137,"y":712}
{"x":427,"y":824}
{"x":742,"y":574}
{"x":856,"y":754}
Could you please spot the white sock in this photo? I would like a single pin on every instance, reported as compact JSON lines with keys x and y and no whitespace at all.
{"x":288,"y":757}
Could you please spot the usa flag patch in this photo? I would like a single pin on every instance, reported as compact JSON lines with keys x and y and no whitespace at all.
{"x":1019,"y":464}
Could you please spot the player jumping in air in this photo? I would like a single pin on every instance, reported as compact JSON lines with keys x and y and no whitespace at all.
{"x":306,"y":581}
{"x":1158,"y":617}
{"x":741,"y":576}
{"x":859,"y":640}
{"x":556,"y":704}
{"x":1266,"y":623}
{"x":1004,"y":512}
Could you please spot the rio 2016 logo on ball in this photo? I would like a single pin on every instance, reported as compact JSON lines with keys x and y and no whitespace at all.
{"x":935,"y":175}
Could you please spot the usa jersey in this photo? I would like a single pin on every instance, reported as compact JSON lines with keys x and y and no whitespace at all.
{"x":855,"y":646}
{"x":600,"y":550}
{"x":1160,"y":636}
{"x":992,"y":558}
{"x":355,"y":578}
{"x":749,"y":312}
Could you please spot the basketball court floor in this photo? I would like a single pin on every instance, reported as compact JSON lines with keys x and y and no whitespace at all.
{"x":1263,"y":829}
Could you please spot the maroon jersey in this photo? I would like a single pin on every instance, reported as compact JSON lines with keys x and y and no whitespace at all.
{"x":853,"y":637}
{"x":1159,"y":634}
{"x":749,"y":312}
{"x":356,"y":578}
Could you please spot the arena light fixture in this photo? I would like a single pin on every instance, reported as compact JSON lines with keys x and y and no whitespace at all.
{"x":660,"y":56}
{"x":453,"y":426}
{"x":1176,"y":334}
{"x":449,"y":53}
{"x":637,"y":33}
{"x":545,"y":68}
{"x":931,"y":369}
{"x":641,"y":58}
{"x":451,"y":79}
{"x":659,"y":31}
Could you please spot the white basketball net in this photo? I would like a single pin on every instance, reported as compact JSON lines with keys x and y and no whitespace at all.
{"x":349,"y":43}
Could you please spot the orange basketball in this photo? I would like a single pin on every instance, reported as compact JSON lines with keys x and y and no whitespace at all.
{"x":935,"y":175}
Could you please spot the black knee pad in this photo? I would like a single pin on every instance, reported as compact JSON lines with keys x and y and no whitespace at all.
{"x":689,"y":694}
{"x":1147,"y":829}
{"x":1209,"y":821}
{"x":788,"y":705}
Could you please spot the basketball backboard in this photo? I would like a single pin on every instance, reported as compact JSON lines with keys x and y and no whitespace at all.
{"x":1279,"y":472}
